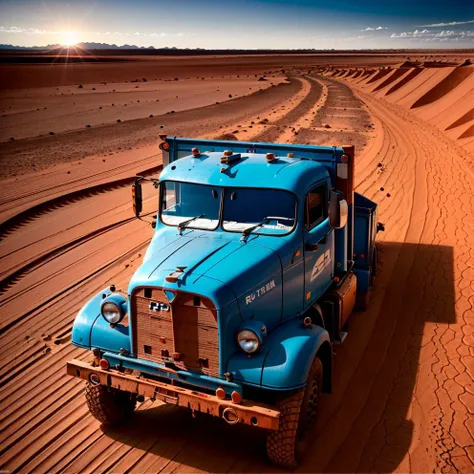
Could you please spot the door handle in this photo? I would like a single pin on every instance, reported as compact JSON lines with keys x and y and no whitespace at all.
{"x":313,"y":247}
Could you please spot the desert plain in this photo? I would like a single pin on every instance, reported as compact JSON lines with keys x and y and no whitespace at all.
{"x":73,"y":135}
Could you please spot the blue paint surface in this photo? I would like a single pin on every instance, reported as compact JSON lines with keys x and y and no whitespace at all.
{"x":268,"y":278}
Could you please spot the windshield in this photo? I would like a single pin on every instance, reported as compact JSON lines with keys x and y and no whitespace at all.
{"x":189,"y":205}
{"x":259,"y":211}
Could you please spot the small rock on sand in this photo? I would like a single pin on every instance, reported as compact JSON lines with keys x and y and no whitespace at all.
{"x":226,"y":136}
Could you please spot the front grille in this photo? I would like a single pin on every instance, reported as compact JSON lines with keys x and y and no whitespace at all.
{"x":187,"y":327}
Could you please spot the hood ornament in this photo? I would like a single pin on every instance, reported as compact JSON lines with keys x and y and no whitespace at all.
{"x":173,"y":276}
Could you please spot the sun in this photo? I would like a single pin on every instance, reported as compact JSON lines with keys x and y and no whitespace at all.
{"x":69,"y":38}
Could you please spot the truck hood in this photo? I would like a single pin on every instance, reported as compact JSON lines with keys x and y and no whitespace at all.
{"x":225,"y":270}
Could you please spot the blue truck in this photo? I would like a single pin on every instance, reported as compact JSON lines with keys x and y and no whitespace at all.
{"x":260,"y":254}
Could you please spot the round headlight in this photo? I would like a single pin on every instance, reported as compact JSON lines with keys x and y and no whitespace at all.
{"x":111,"y":312}
{"x":248,"y":341}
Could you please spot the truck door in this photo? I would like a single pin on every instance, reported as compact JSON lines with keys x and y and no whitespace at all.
{"x":318,"y":243}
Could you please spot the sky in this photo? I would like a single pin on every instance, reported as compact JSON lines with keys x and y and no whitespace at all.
{"x":241,"y":24}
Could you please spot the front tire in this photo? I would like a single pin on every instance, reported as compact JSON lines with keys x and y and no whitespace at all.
{"x":298,"y":412}
{"x":110,"y":406}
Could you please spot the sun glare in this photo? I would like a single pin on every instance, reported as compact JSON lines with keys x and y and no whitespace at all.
{"x":69,"y":38}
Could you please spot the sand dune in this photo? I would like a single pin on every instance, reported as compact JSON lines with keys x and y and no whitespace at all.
{"x":442,"y":96}
{"x":404,"y":80}
{"x":444,"y":87}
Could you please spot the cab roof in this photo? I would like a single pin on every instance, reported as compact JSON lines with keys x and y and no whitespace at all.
{"x":251,"y":170}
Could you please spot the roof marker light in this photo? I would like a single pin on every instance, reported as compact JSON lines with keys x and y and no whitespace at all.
{"x":270,"y":157}
{"x":228,"y":159}
{"x":291,"y":155}
{"x":196,"y":152}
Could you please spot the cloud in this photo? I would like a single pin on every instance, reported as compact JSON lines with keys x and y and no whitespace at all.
{"x":378,"y":28}
{"x":11,"y":29}
{"x":25,"y":31}
{"x":427,"y":35}
{"x":36,"y":31}
{"x":451,"y":23}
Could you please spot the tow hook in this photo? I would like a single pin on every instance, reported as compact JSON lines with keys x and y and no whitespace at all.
{"x":230,"y":416}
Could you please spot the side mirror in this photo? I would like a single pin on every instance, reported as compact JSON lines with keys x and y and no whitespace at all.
{"x":137,"y":199}
{"x":338,"y":210}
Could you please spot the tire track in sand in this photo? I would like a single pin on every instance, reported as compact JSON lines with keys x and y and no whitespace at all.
{"x":27,"y":216}
{"x":399,"y":387}
{"x":416,"y":393}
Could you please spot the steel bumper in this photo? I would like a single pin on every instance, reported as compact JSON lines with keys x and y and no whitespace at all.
{"x":246,"y":412}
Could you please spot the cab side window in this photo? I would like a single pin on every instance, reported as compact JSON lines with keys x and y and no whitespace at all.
{"x":316,"y":206}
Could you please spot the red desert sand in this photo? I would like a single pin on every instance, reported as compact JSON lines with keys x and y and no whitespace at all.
{"x":72,"y":139}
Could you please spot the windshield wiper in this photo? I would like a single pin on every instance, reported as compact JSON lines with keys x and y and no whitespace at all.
{"x":250,"y":229}
{"x":184,"y":224}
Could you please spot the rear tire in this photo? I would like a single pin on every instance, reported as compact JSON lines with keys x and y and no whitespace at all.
{"x":110,"y":406}
{"x":298,"y":412}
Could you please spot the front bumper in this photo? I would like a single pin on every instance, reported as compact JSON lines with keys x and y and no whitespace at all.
{"x":246,"y":412}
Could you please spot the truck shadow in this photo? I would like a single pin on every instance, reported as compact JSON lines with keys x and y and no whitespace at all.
{"x":364,"y":425}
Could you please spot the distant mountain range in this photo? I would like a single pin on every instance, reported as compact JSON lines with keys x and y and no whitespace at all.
{"x":84,"y":46}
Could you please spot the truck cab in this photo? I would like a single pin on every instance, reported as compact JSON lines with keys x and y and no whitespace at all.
{"x":259,"y":255}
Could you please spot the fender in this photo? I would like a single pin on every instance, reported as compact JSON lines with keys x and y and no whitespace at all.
{"x":284,"y":361}
{"x":90,"y":329}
